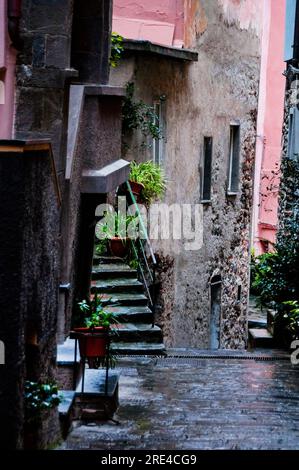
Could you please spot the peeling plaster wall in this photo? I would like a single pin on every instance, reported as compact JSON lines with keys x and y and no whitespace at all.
{"x":245,"y":14}
{"x":159,"y":21}
{"x":202,"y":99}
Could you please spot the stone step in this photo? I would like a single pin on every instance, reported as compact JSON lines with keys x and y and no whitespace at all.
{"x":137,"y":332}
{"x":260,"y":337}
{"x":66,"y":410}
{"x":113,"y":270}
{"x":138,"y":348}
{"x":65,"y":365}
{"x":129,"y":299}
{"x":94,"y":404}
{"x":107,"y":260}
{"x":131,"y":314}
{"x":116,"y":285}
{"x":257,"y":323}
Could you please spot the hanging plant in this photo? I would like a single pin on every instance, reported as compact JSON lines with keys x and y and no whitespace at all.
{"x":139,"y":115}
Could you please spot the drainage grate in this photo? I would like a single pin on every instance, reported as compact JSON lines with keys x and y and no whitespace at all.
{"x":193,"y":359}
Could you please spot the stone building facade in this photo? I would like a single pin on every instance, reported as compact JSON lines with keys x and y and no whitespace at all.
{"x":67,"y":127}
{"x":204,"y":292}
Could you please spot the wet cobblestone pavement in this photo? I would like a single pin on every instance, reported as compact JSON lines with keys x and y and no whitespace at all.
{"x":199,"y":404}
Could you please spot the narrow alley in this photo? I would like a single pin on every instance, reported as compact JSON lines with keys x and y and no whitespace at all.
{"x":149,"y":251}
{"x":200,"y":403}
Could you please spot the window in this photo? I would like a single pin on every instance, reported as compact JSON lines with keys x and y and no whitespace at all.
{"x":234,"y":159}
{"x":158,"y":144}
{"x":239,"y":293}
{"x":207,"y":169}
{"x":293,"y":139}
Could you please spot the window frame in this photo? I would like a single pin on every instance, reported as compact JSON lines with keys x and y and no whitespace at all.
{"x":207,"y":166}
{"x":233,"y":183}
{"x":158,"y":145}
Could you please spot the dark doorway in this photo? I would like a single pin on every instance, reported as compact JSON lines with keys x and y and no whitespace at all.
{"x":215,"y":312}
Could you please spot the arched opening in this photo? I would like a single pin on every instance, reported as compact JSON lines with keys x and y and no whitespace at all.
{"x":215,"y":316}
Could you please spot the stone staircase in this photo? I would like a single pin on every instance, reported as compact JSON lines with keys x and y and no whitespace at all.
{"x":260,"y":327}
{"x":123,"y":294}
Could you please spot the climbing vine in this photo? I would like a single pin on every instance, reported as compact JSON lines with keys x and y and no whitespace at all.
{"x":139,"y":115}
{"x":117,"y":49}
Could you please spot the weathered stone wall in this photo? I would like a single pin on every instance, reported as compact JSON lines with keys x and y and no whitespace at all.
{"x":31,"y":264}
{"x":289,"y":171}
{"x":29,"y":282}
{"x":35,"y":233}
{"x":203,"y":99}
{"x":99,"y":143}
{"x":43,"y":69}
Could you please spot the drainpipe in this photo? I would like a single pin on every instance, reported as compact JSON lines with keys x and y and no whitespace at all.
{"x":13,"y":17}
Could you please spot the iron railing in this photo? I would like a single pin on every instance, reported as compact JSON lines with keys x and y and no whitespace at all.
{"x":147,"y":264}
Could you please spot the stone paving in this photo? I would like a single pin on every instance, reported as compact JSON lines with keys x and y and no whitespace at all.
{"x":199,"y":403}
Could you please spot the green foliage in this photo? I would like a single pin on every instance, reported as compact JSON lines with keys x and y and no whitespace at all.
{"x":100,"y":247}
{"x":277,"y":274}
{"x":116,"y":224}
{"x":40,"y":397}
{"x":291,"y":316}
{"x":276,"y":278}
{"x":117,"y":49}
{"x":139,"y":115}
{"x":151,"y":176}
{"x":94,"y":314}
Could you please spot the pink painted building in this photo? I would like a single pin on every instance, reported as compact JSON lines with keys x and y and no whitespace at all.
{"x":269,"y":127}
{"x":158,"y":21}
{"x":7,"y":76}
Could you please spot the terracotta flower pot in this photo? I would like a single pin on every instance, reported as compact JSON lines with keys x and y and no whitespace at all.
{"x":119,"y":246}
{"x":137,"y":190}
{"x":90,"y":346}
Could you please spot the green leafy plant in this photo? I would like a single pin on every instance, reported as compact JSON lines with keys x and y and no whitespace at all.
{"x":292,"y":317}
{"x":101,"y":247}
{"x":117,"y":49}
{"x":94,"y":314}
{"x":40,"y":397}
{"x":151,"y":176}
{"x":276,"y":279}
{"x":139,"y":115}
{"x":116,"y":224}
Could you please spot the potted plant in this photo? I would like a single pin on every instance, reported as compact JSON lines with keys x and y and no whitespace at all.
{"x":39,"y":400}
{"x":118,"y":229}
{"x":95,"y":320}
{"x":147,"y":181}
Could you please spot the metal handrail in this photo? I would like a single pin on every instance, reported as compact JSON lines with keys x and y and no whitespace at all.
{"x":141,"y":223}
{"x":140,"y":253}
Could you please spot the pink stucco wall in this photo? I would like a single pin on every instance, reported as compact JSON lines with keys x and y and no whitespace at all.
{"x":245,"y":13}
{"x":160,"y":21}
{"x":269,"y":126}
{"x":7,"y":77}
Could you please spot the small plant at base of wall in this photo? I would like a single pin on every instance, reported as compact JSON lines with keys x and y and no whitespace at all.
{"x":40,"y":397}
